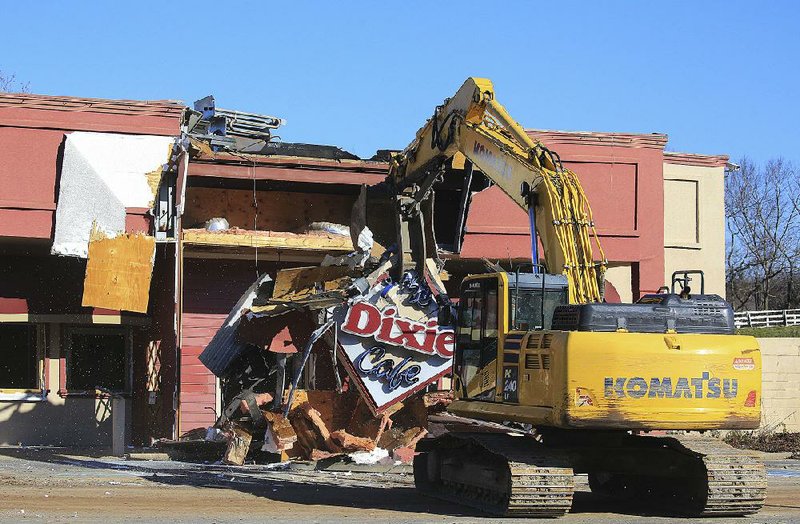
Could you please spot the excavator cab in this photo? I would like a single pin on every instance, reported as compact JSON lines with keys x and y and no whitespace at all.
{"x":490,"y":305}
{"x":534,"y":298}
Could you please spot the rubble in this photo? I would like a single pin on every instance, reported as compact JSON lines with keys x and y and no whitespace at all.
{"x":348,"y":442}
{"x":361,"y":345}
{"x":238,"y":446}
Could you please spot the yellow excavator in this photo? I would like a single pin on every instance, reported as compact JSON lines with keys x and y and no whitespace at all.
{"x":548,"y":379}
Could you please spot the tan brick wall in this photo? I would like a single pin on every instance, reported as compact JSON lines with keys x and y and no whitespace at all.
{"x":780,"y":398}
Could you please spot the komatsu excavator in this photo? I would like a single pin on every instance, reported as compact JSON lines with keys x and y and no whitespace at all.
{"x":582,"y":381}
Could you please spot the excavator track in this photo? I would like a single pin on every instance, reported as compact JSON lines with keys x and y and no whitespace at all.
{"x":735,"y":482}
{"x":497,"y":473}
{"x":705,"y":476}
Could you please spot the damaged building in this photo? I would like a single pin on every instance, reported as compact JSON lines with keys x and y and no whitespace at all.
{"x":80,"y":343}
{"x":155,"y":264}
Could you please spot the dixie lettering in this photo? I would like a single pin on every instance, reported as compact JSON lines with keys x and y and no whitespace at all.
{"x":366,"y":320}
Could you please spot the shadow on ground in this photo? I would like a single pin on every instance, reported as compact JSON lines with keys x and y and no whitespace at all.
{"x":360,"y":491}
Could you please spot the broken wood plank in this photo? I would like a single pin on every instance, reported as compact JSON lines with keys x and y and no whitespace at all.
{"x":363,"y":423}
{"x":396,"y":438}
{"x":319,"y":454}
{"x":269,"y":239}
{"x":306,"y":437}
{"x":279,"y":436}
{"x":118,"y":272}
{"x":312,"y":432}
{"x":351,"y":443}
{"x":300,"y":283}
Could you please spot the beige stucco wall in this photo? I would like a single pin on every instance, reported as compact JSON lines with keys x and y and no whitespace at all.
{"x":56,"y":420}
{"x":780,"y":398}
{"x":620,"y":276}
{"x":694,"y":223}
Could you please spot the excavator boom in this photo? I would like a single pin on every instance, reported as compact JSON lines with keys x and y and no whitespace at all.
{"x":474,"y":124}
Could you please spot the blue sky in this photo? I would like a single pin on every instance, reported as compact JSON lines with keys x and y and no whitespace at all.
{"x":718,"y":77}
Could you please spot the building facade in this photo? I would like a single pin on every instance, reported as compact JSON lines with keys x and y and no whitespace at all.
{"x":62,"y":363}
{"x":64,"y":366}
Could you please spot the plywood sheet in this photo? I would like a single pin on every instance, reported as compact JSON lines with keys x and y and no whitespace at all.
{"x":118,"y":272}
{"x":271,"y":210}
{"x":302,"y":282}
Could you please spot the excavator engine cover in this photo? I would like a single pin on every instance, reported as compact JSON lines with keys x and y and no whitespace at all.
{"x":707,"y":314}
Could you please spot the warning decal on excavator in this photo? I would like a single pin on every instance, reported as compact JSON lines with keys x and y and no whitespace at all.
{"x":744,"y":364}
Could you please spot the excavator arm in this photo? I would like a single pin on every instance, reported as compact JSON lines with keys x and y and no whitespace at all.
{"x":473,"y":123}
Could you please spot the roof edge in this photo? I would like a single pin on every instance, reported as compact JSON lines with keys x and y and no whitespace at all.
{"x":202,"y":153}
{"x":636,"y":140}
{"x":695,"y":159}
{"x":99,"y":105}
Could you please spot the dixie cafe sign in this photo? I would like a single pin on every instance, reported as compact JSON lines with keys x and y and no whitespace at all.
{"x":392,"y":356}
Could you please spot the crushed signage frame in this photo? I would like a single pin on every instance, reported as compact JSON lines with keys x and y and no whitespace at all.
{"x":392,"y":346}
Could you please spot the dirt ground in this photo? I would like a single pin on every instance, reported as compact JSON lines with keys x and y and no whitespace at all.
{"x":51,"y":485}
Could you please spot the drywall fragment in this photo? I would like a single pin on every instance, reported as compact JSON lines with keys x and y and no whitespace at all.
{"x":118,"y":272}
{"x":376,"y":456}
{"x":102,"y":175}
{"x":238,"y":446}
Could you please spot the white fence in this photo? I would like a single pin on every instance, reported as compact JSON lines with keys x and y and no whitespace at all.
{"x":767,"y":318}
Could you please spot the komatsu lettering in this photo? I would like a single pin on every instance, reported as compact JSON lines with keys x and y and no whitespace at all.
{"x":666,"y":387}
{"x":498,"y":163}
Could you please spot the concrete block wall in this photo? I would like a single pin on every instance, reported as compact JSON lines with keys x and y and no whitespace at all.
{"x":780,"y":398}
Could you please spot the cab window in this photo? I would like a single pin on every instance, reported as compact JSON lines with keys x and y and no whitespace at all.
{"x":477,"y":327}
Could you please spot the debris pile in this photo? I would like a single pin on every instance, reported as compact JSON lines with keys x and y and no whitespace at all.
{"x":341,"y":359}
{"x":320,"y":425}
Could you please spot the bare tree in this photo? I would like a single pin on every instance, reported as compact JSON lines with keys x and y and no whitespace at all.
{"x":10,"y":84}
{"x":762,"y":207}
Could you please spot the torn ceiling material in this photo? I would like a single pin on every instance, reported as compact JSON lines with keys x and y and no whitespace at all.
{"x":119,"y":271}
{"x":103,"y":175}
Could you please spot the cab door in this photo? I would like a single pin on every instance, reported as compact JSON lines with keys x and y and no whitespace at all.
{"x":477,"y":338}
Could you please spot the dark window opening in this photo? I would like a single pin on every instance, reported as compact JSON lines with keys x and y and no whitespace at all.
{"x":97,"y":360}
{"x":18,"y":357}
